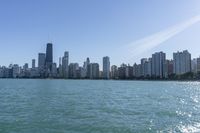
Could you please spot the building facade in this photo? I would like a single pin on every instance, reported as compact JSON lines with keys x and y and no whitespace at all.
{"x":94,"y":71}
{"x":182,"y":62}
{"x":49,"y":58}
{"x":106,"y":67}
{"x":114,"y":72}
{"x":65,"y":65}
{"x":158,"y":61}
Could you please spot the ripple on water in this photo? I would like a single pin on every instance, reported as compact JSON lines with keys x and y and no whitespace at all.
{"x":190,"y":128}
{"x":82,"y":106}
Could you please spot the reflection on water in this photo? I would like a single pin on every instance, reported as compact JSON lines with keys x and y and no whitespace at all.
{"x":82,"y":106}
{"x":193,"y":128}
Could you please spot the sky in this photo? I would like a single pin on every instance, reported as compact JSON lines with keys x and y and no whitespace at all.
{"x":124,"y":30}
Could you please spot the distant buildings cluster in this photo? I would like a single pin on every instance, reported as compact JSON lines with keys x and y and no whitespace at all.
{"x":155,"y":67}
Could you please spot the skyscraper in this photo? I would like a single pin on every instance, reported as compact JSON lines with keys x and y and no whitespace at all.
{"x":106,"y":67}
{"x":143,"y":62}
{"x":194,"y":65}
{"x":182,"y":62}
{"x":87,"y":67}
{"x":16,"y":70}
{"x":54,"y":70}
{"x":148,"y":68}
{"x":122,"y":71}
{"x":49,"y":56}
{"x":33,"y":63}
{"x":65,"y":65}
{"x":60,"y":68}
{"x":94,"y":70}
{"x":158,"y":60}
{"x":168,"y":68}
{"x":114,"y":72}
{"x":25,"y":67}
{"x":129,"y":72}
{"x":73,"y":68}
{"x":41,"y":61}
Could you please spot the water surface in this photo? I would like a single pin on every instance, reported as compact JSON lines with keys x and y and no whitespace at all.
{"x":98,"y":106}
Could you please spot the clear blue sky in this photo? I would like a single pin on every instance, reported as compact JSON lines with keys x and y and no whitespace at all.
{"x":93,"y":28}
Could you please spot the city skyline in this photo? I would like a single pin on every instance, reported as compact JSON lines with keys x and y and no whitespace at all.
{"x":47,"y":59}
{"x":157,"y":66}
{"x":98,"y":28}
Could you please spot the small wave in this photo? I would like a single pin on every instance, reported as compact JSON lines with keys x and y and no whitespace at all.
{"x":195,"y":128}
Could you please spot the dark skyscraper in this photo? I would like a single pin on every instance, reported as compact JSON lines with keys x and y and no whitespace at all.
{"x":33,"y":63}
{"x":87,"y":65}
{"x":49,"y":56}
{"x":65,"y":62}
{"x":41,"y":60}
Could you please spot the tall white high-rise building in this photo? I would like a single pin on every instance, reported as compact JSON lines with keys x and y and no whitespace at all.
{"x":65,"y":65}
{"x":106,"y":67}
{"x":182,"y":62}
{"x":158,"y":60}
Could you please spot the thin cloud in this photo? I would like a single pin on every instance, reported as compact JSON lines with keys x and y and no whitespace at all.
{"x":148,"y":43}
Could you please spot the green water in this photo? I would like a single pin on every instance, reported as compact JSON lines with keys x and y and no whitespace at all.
{"x":97,"y":106}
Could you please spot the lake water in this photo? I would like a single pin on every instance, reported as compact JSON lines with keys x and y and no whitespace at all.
{"x":98,"y":106}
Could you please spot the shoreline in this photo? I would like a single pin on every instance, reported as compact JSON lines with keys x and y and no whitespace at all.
{"x":167,"y":80}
